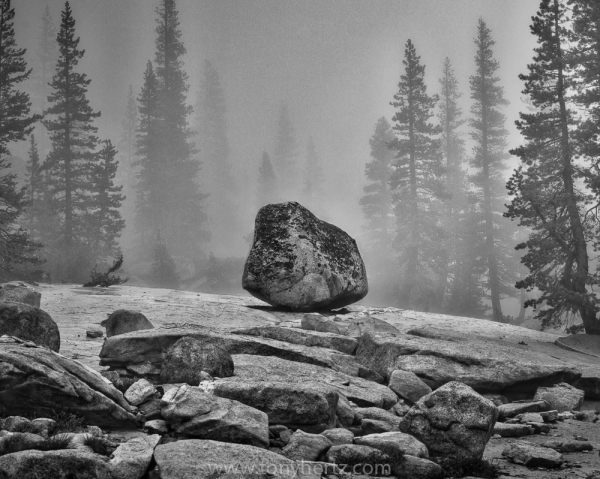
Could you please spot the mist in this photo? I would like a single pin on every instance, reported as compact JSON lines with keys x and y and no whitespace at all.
{"x":332,"y":66}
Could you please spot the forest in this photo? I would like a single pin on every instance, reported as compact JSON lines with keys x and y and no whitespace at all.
{"x":453,"y":218}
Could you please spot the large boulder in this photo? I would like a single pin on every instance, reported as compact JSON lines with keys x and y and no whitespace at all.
{"x":407,"y":385}
{"x":454,"y":422}
{"x":438,"y":357}
{"x":131,"y":459}
{"x":193,"y":412}
{"x":362,"y":459}
{"x":185,"y":361}
{"x":310,"y":406}
{"x":124,"y":321}
{"x":29,"y":323}
{"x":37,"y":381}
{"x":562,"y":397}
{"x":19,"y":292}
{"x":306,"y":447}
{"x":302,"y":263}
{"x":194,"y":459}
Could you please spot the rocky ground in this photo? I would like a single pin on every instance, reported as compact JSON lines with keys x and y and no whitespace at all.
{"x":438,"y":348}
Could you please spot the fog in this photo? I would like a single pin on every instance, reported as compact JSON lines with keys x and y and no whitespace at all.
{"x":335,"y":64}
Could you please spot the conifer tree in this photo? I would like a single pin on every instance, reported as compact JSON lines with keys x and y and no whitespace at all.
{"x":547,"y":197}
{"x":33,"y":194}
{"x":47,"y":55}
{"x":417,"y":184}
{"x":16,"y":246}
{"x":489,"y":134}
{"x":266,"y":191}
{"x":285,"y":156}
{"x":312,"y":191}
{"x":216,"y":175}
{"x":103,"y":218}
{"x":163,"y":273}
{"x":69,"y":121}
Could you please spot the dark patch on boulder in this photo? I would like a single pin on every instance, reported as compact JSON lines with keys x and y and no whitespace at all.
{"x":124,"y":321}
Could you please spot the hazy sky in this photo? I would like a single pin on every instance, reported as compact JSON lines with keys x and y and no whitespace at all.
{"x":336,"y":63}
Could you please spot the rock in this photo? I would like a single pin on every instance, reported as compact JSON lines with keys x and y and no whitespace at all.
{"x":563,"y":416}
{"x":399,"y":409}
{"x":150,"y":409}
{"x":417,"y":468}
{"x":65,"y":463}
{"x":539,"y":427}
{"x":19,"y":292}
{"x":139,"y":391}
{"x":562,"y":397}
{"x":131,"y":459}
{"x":549,"y":416}
{"x":302,"y":263}
{"x":531,"y":417}
{"x":45,"y":425}
{"x":569,"y":446}
{"x":306,"y":447}
{"x":375,"y":426}
{"x":512,"y":430}
{"x":158,"y":426}
{"x":19,"y":441}
{"x":394,"y":444}
{"x":194,"y":459}
{"x":310,"y":406}
{"x":407,"y":385}
{"x":453,"y":422}
{"x":39,"y":381}
{"x":438,"y":357}
{"x":337,"y":342}
{"x":377,"y":414}
{"x":514,"y":409}
{"x":139,"y":347}
{"x":29,"y":323}
{"x":192,"y":412}
{"x":124,"y":321}
{"x":17,"y":424}
{"x":122,"y":383}
{"x":185,"y":361}
{"x":94,"y":333}
{"x":373,"y":461}
{"x":267,"y":368}
{"x":322,"y":324}
{"x":531,"y":455}
{"x":351,"y":326}
{"x":344,"y":412}
{"x":339,"y":436}
{"x":497,"y":399}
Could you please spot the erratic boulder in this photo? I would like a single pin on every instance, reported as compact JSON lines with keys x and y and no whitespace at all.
{"x":301,"y":263}
{"x":30,"y":324}
{"x":185,"y":361}
{"x":562,"y":397}
{"x":454,"y":422}
{"x":19,"y":292}
{"x":124,"y":321}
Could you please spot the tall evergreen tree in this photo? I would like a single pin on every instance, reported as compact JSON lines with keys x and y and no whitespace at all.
{"x":34,"y":190}
{"x":103,"y":218}
{"x":47,"y":55}
{"x":312,"y":191}
{"x":69,"y":122}
{"x":489,"y":135}
{"x":266,"y":191}
{"x":16,"y":247}
{"x":285,"y":156}
{"x":417,"y":184}
{"x":216,"y":175}
{"x":547,"y":197}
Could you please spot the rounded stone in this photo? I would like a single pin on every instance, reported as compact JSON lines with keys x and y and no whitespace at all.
{"x":30,"y":324}
{"x":125,"y":321}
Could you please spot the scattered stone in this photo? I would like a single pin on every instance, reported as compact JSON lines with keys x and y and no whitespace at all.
{"x":377,"y":414}
{"x":195,"y":413}
{"x":588,"y":415}
{"x":569,"y":446}
{"x":531,"y":417}
{"x":158,"y":426}
{"x":194,"y":459}
{"x":339,"y":436}
{"x":306,"y":447}
{"x":19,"y":292}
{"x":353,"y":455}
{"x":562,"y":397}
{"x":394,"y":444}
{"x":514,"y":409}
{"x":94,"y":333}
{"x":310,"y":406}
{"x":549,"y":416}
{"x":185,"y":361}
{"x":407,"y":385}
{"x":29,"y":323}
{"x":124,"y":321}
{"x":512,"y":430}
{"x":453,"y":422}
{"x":417,"y":468}
{"x":497,"y":399}
{"x":131,"y":459}
{"x":531,"y":455}
{"x":302,"y":263}
{"x":139,"y":391}
{"x":539,"y":427}
{"x":563,"y":416}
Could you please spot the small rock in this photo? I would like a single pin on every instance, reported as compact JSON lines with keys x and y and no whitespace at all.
{"x":46,"y":424}
{"x":562,"y":397}
{"x":514,"y":409}
{"x":139,"y":391}
{"x":303,"y":446}
{"x":339,"y":436}
{"x":377,"y":414}
{"x":407,"y":385}
{"x":417,"y":468}
{"x":569,"y":446}
{"x":373,"y":426}
{"x":17,"y":424}
{"x":394,"y":444}
{"x":158,"y":426}
{"x":530,"y":455}
{"x":373,"y":461}
{"x":124,"y":321}
{"x":497,"y":399}
{"x":531,"y":417}
{"x":150,"y":409}
{"x":94,"y":333}
{"x":400,"y":409}
{"x":550,"y":416}
{"x":563,"y":416}
{"x":131,"y":459}
{"x":344,"y":412}
{"x":512,"y":430}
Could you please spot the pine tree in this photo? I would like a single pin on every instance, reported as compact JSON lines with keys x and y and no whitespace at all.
{"x":163,"y":273}
{"x":489,"y":135}
{"x":216,"y":174}
{"x":47,"y":55}
{"x":266,"y":191}
{"x":547,"y":196}
{"x":33,"y":180}
{"x":69,"y":122}
{"x":16,"y":246}
{"x":285,"y":156}
{"x":312,"y":191}
{"x":103,"y":218}
{"x":181,"y":216}
{"x":417,"y":184}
